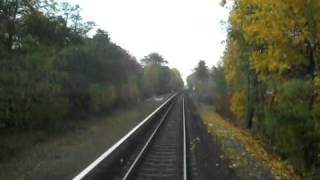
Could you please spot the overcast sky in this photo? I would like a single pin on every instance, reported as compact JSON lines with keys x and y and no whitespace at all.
{"x":182,"y":31}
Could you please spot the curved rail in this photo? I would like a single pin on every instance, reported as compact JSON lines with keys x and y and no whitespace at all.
{"x":125,"y":138}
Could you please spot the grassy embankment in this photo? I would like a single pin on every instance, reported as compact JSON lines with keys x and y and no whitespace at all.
{"x":61,"y":155}
{"x":243,"y":152}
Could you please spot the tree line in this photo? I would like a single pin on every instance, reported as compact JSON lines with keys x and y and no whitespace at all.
{"x":269,"y":76}
{"x":209,"y":86}
{"x":51,"y":70}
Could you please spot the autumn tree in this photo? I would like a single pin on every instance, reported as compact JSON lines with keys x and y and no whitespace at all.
{"x":271,"y":55}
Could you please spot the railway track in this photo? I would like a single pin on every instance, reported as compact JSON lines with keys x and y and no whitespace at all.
{"x":157,"y":148}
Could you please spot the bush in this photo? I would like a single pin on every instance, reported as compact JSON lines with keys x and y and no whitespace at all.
{"x":102,"y":97}
{"x":31,"y":91}
{"x":292,"y":124}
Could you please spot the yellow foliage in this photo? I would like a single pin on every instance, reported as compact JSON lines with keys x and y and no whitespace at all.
{"x":271,"y":41}
{"x":231,"y":61}
{"x":282,"y":27}
{"x":238,"y":102}
{"x":224,"y":131}
{"x":102,"y":97}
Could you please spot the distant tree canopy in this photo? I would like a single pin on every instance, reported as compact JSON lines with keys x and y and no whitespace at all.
{"x":201,"y":71}
{"x":176,"y":82}
{"x":159,"y":79}
{"x":199,"y":79}
{"x":209,"y":85}
{"x":153,"y":58}
{"x":51,"y":70}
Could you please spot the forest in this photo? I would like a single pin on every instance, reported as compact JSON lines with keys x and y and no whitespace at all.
{"x":54,"y":67}
{"x":268,"y":80}
{"x":52,"y":70}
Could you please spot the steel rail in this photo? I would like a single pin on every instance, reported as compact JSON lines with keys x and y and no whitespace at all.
{"x":113,"y":148}
{"x":184,"y":142}
{"x":147,"y":144}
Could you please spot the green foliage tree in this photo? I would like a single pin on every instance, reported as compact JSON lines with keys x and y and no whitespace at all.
{"x":158,"y":78}
{"x":201,"y":71}
{"x":210,"y":86}
{"x":101,"y":74}
{"x":50,"y":69}
{"x":200,"y":82}
{"x":220,"y":89}
{"x":176,"y":82}
{"x":154,"y":58}
{"x":191,"y":82}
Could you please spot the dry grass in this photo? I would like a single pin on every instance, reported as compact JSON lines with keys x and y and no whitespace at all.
{"x":239,"y":146}
{"x":39,"y":155}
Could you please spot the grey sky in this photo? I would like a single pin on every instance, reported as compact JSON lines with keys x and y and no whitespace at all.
{"x":183,"y":31}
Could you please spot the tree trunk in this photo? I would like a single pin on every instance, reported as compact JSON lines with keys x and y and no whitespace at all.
{"x":249,"y":113}
{"x":11,"y":26}
{"x":311,"y":70}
